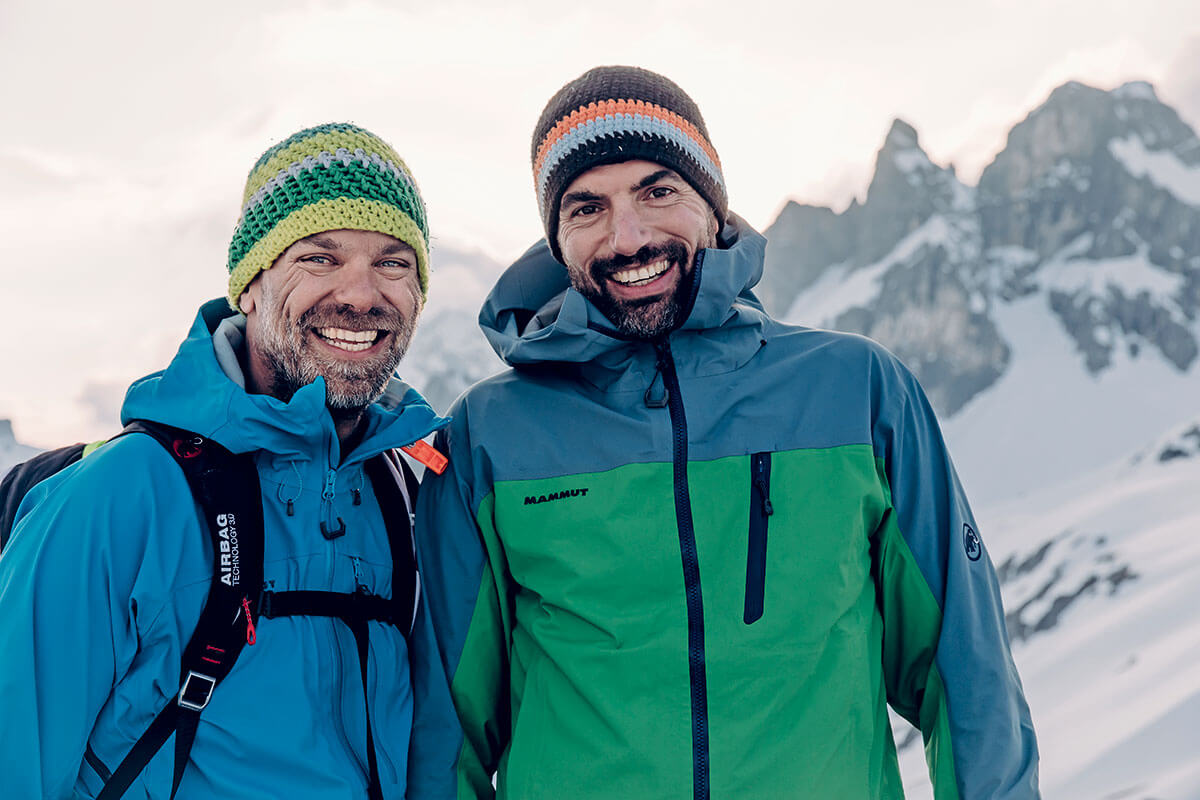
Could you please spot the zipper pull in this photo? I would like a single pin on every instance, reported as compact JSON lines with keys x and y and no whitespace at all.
{"x":250,"y":637}
{"x":660,"y":366}
{"x":760,"y":483}
{"x":327,"y":528}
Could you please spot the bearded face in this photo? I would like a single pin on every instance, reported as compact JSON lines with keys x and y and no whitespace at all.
{"x":341,"y":305}
{"x":629,"y":234}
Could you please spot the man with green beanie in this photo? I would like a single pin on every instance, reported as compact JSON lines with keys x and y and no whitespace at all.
{"x":684,"y":551}
{"x":110,"y":565}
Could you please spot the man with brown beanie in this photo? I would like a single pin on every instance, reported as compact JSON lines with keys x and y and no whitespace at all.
{"x":228,"y":611}
{"x":686,"y":551}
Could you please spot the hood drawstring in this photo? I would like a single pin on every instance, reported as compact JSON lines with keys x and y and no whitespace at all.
{"x":289,"y":501}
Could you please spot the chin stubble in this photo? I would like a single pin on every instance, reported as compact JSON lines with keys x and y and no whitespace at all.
{"x":349,"y":386}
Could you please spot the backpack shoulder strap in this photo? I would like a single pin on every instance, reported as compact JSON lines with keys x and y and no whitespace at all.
{"x":395,"y":488}
{"x":226,"y":488}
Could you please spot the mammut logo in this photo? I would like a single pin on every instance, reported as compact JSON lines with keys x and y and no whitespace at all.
{"x":533,"y":500}
{"x":231,"y":572}
{"x":971,"y":543}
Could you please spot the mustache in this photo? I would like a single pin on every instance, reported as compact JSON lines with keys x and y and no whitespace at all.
{"x":344,"y":316}
{"x":671,"y":251}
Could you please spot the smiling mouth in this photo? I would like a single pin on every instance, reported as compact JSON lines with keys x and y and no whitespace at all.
{"x":348,"y":340}
{"x":639,"y":276}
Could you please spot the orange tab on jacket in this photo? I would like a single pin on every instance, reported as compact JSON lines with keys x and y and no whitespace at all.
{"x":428,"y":455}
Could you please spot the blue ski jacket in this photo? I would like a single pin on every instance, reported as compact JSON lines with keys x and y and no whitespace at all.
{"x":108,"y":568}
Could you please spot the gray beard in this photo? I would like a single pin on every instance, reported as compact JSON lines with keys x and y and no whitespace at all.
{"x":349,"y":386}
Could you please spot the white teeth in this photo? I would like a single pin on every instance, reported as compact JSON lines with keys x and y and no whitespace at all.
{"x":352,"y":341}
{"x":632,"y":277}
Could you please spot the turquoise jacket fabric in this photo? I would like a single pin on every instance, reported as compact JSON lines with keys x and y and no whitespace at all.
{"x":108,"y":568}
{"x":706,"y":568}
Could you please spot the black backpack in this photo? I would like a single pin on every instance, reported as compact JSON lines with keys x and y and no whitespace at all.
{"x":225,"y":486}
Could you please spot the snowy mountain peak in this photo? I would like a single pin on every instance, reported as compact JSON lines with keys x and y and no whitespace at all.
{"x":905,"y":176}
{"x":1091,"y":213}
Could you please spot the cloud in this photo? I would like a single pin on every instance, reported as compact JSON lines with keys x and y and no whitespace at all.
{"x":101,"y":402}
{"x":1181,"y":85}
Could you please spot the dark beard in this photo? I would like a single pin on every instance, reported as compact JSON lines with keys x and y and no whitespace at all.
{"x":648,"y":317}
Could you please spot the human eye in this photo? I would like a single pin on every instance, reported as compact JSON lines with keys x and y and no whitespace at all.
{"x":395,"y":264}
{"x":660,"y":192}
{"x":316,"y":262}
{"x":585,"y":210}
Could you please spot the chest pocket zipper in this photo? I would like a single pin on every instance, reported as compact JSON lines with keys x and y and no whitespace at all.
{"x":756,"y":554}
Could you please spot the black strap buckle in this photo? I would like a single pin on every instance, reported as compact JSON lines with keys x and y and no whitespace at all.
{"x":195,"y":697}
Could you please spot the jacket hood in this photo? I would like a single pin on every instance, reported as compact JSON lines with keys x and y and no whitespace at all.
{"x":202,"y":390}
{"x":532,"y":315}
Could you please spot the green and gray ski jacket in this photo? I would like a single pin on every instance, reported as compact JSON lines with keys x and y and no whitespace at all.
{"x":705,"y":567}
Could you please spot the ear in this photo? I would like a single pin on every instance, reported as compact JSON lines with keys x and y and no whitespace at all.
{"x":246,"y":303}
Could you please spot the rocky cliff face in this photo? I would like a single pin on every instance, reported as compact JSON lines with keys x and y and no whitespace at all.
{"x":1094,"y":205}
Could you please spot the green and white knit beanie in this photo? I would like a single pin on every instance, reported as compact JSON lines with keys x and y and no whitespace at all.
{"x":330,"y":177}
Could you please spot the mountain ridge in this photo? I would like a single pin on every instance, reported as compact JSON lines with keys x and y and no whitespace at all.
{"x":1094,"y":202}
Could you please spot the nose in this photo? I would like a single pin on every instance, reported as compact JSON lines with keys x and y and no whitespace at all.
{"x":357,"y":286}
{"x":629,"y":232}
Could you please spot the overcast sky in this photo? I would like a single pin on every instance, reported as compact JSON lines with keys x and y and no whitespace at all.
{"x":130,"y":127}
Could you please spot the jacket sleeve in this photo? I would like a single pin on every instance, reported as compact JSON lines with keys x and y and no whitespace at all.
{"x":947,"y":661}
{"x":66,"y":630}
{"x":469,"y":606}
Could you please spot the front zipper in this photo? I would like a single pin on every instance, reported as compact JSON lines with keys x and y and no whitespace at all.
{"x":691,"y":571}
{"x":338,"y":709}
{"x":756,"y":556}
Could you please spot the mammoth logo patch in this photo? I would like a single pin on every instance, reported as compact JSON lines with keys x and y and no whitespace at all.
{"x":971,"y":543}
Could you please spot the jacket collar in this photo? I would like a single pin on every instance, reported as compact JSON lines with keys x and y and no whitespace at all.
{"x":533,"y":316}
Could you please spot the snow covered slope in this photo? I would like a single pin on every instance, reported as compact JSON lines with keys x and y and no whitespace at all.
{"x":1101,"y":581}
{"x":1048,"y":419}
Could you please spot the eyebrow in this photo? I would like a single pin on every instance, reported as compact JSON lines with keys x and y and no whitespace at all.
{"x":579,"y":197}
{"x":655,"y":177}
{"x":325,"y":242}
{"x":328,"y":243}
